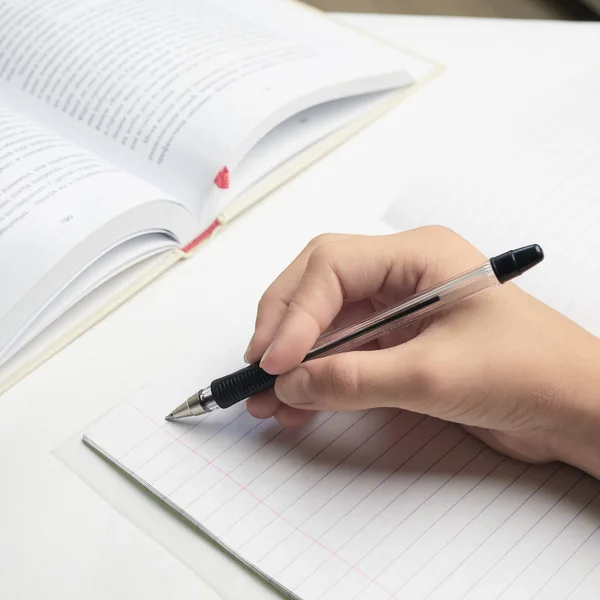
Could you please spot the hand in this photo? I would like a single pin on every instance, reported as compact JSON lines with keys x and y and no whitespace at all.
{"x":512,"y":371}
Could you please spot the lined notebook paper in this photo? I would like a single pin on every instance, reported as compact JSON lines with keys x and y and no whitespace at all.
{"x":387,"y":504}
{"x":365,"y":505}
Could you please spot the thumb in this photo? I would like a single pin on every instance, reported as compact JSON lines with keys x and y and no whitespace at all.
{"x":393,"y":377}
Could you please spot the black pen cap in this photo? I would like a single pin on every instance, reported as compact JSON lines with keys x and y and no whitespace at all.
{"x":511,"y":264}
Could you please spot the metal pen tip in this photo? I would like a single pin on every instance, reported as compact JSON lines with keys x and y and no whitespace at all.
{"x":197,"y":404}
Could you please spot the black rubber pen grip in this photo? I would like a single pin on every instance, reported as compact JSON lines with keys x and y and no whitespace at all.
{"x":238,"y":386}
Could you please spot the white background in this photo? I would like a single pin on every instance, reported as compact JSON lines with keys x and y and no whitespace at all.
{"x":62,"y":539}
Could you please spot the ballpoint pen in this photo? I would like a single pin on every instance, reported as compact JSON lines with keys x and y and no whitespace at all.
{"x":231,"y":389}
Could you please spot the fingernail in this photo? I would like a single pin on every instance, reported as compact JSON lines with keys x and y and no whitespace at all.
{"x":267,"y":353}
{"x":297,"y":388}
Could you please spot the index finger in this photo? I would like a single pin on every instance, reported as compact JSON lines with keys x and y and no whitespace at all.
{"x":274,"y":303}
{"x":351,"y":269}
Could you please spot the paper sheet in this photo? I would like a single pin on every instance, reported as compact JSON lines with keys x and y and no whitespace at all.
{"x":365,"y":505}
{"x":531,"y":176}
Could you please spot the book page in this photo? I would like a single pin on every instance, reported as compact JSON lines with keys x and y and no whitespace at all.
{"x":290,"y":138}
{"x":362,"y":505}
{"x":76,"y":312}
{"x":62,"y":209}
{"x":110,"y":264}
{"x":174,"y":92}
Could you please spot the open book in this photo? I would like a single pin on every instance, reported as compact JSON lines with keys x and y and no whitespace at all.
{"x":132,"y":129}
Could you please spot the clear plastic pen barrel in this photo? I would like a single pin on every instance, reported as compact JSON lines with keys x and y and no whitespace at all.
{"x":416,"y":307}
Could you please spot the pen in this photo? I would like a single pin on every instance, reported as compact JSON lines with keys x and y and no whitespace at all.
{"x":231,"y":389}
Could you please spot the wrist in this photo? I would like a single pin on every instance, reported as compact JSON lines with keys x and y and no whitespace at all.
{"x":577,"y":441}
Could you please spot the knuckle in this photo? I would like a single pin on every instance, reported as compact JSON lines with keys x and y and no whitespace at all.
{"x":321,"y":239}
{"x":296,"y":306}
{"x":269,"y":304}
{"x":320,"y":256}
{"x":441,"y":232}
{"x":265,"y":301}
{"x":447,"y":247}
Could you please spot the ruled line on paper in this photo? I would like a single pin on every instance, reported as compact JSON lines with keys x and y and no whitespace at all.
{"x":300,"y":467}
{"x":345,"y":486}
{"x":325,"y":474}
{"x":556,"y":502}
{"x":584,"y":579}
{"x":448,"y":542}
{"x":396,"y":557}
{"x":250,"y":493}
{"x":438,"y":520}
{"x":490,"y":535}
{"x":176,"y":439}
{"x":567,"y":560}
{"x":350,"y":462}
{"x":399,"y":495}
{"x":268,"y":467}
{"x":556,"y":536}
{"x":379,"y":485}
{"x":170,"y":468}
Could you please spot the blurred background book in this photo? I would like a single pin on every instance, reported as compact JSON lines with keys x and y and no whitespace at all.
{"x":572,"y":10}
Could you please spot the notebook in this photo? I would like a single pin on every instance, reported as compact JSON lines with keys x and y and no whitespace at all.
{"x":377,"y":504}
{"x":131,"y":131}
{"x":389,"y":504}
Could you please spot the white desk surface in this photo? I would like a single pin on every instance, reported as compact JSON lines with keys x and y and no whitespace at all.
{"x":62,"y":539}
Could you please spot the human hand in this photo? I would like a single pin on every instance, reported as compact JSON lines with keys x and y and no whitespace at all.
{"x":511,"y":370}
